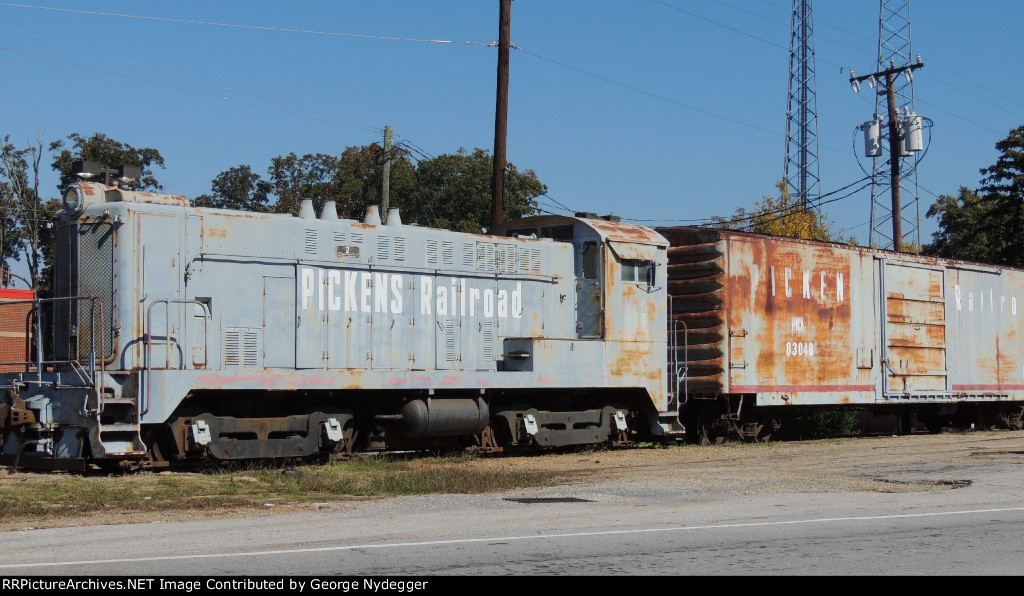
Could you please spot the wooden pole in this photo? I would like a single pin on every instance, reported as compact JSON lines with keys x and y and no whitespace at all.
{"x":385,"y":190}
{"x":501,"y":116}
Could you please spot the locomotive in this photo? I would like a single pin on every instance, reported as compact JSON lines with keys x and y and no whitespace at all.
{"x":181,"y":334}
{"x":184,"y":333}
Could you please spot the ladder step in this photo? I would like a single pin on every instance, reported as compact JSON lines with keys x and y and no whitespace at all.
{"x":119,"y":427}
{"x":118,"y":400}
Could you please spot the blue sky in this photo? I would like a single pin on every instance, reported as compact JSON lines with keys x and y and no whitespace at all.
{"x":664,"y":112}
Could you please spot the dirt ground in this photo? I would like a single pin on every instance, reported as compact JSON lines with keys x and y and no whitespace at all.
{"x":917,"y":462}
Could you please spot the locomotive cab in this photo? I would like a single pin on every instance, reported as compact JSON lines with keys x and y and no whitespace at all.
{"x":621,"y":299}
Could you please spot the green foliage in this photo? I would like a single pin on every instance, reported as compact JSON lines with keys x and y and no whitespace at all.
{"x":353,"y":181}
{"x":802,"y":423}
{"x":110,"y":153}
{"x":965,"y":228}
{"x":237,"y":188}
{"x":451,"y":191}
{"x":454,"y":192}
{"x":781,"y":216}
{"x":986,"y":225}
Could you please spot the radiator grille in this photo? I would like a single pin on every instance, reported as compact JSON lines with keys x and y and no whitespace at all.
{"x":95,"y":277}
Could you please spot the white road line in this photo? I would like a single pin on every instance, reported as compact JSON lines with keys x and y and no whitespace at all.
{"x":508,"y":538}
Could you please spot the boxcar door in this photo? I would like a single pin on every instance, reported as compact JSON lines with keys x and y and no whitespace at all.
{"x":913,"y":329}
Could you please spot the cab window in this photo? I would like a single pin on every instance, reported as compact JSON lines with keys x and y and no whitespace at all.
{"x":591,"y":261}
{"x":638,"y":271}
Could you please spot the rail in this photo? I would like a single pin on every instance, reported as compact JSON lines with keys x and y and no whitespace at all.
{"x":680,"y":374}
{"x":33,"y":331}
{"x":148,"y":339}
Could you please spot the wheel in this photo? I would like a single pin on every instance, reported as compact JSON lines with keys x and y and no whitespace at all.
{"x":1012,"y":417}
{"x":770,"y":425}
{"x":1001,"y":417}
{"x":712,"y":428}
{"x":344,"y":447}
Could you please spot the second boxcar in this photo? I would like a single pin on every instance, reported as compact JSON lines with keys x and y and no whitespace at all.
{"x":762,"y":322}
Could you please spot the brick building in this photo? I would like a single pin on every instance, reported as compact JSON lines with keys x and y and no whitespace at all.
{"x":13,"y":319}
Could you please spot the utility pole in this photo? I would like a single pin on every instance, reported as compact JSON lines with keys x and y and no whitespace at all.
{"x":894,"y":48}
{"x":385,"y":185}
{"x":887,"y":78}
{"x":501,"y":116}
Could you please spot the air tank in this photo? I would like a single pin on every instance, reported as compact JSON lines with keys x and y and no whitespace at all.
{"x":440,"y":417}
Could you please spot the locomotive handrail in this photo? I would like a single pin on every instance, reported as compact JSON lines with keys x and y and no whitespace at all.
{"x":34,"y":319}
{"x":148,"y":340}
{"x":673,"y":346}
{"x":680,"y":374}
{"x":229,"y":258}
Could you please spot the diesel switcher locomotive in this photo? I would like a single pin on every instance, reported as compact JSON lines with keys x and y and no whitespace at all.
{"x":183,"y":333}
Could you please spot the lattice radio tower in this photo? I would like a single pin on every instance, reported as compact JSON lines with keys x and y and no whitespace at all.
{"x":895,"y":52}
{"x":801,"y":169}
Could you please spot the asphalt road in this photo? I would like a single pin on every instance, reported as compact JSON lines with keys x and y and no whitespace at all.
{"x":967,"y":519}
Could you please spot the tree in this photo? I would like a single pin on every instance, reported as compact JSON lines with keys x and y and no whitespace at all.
{"x":237,"y":188}
{"x":110,"y":153}
{"x":781,"y":216}
{"x":362,"y":176}
{"x":453,"y":191}
{"x":986,"y":225}
{"x":23,"y":210}
{"x":313,"y":176}
{"x":965,"y":228}
{"x":353,"y":180}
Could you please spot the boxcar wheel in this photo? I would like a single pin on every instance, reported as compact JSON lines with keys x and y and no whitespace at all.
{"x":1012,"y":417}
{"x":712,"y":428}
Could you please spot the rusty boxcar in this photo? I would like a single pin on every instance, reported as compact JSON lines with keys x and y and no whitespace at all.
{"x":183,"y":333}
{"x":760,"y":323}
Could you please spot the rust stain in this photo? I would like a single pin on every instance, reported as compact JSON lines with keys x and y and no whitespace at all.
{"x":627,"y":232}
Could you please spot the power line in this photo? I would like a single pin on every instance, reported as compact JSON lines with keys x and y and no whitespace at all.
{"x":256,"y":27}
{"x":292,"y":110}
{"x":783,"y":210}
{"x":221,"y":89}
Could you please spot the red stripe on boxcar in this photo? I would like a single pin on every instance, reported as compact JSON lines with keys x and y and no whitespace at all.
{"x":982,"y":387}
{"x":799,"y":388}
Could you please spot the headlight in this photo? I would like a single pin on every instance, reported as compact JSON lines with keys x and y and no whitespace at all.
{"x":73,"y":200}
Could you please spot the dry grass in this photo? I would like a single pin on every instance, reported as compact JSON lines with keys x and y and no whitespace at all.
{"x":26,"y":496}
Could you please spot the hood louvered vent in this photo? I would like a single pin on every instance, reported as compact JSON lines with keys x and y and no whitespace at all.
{"x":310,"y":244}
{"x":243,"y":348}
